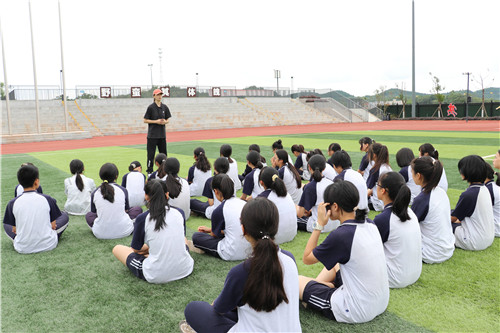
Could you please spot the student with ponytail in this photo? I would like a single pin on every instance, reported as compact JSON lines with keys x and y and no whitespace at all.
{"x":379,"y":154}
{"x":288,"y":174}
{"x":329,"y":172}
{"x":332,"y":149}
{"x":428,"y":150}
{"x":134,"y":182}
{"x":279,"y":145}
{"x":178,"y":188}
{"x":353,"y":285}
{"x":275,"y":190}
{"x":263,"y":289}
{"x":255,"y":147}
{"x":199,"y":172}
{"x":432,"y":208}
{"x":472,"y":219}
{"x":158,"y":252}
{"x":110,"y":215}
{"x":494,"y":189}
{"x":158,"y":161}
{"x":78,"y":189}
{"x":343,"y":166}
{"x":226,"y":151}
{"x":404,"y":156}
{"x":312,"y":195}
{"x":224,"y":239}
{"x":301,"y":161}
{"x":400,"y":232}
{"x":251,"y":186}
{"x":366,"y":164}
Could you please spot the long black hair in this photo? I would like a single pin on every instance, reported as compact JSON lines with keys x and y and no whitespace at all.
{"x":224,"y":184}
{"x":263,"y":290}
{"x":226,"y":151}
{"x":155,"y":189}
{"x":76,"y":167}
{"x":254,"y":158}
{"x":430,"y":169}
{"x":297,"y":148}
{"x":170,"y":168}
{"x":277,"y":145}
{"x":429,"y":149}
{"x":346,"y":196}
{"x":256,"y":147}
{"x":398,"y":192}
{"x":108,"y":173}
{"x":160,"y":158}
{"x":283,"y":156}
{"x":382,"y":153}
{"x":202,"y":162}
{"x":269,"y":176}
{"x":317,"y":163}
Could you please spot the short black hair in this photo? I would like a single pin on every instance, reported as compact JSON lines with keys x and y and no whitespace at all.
{"x":27,"y":174}
{"x":221,"y":164}
{"x":473,"y":168}
{"x":341,"y":159}
{"x":404,"y":156}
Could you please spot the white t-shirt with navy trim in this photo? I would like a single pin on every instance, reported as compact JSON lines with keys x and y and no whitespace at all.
{"x":371,"y":182}
{"x":357,"y":247}
{"x":197,"y":180}
{"x":355,"y":178}
{"x":433,"y":212}
{"x":402,"y":247}
{"x":475,"y":211}
{"x":134,"y":183}
{"x":19,"y":190}
{"x":408,"y":177}
{"x":233,"y":173}
{"x":183,"y":200}
{"x":312,"y":196}
{"x":301,"y":163}
{"x":329,"y":172}
{"x":112,"y":219}
{"x":291,"y":184}
{"x":78,"y":202}
{"x":168,"y":259}
{"x":251,"y":185}
{"x":287,"y":228}
{"x":494,"y":190}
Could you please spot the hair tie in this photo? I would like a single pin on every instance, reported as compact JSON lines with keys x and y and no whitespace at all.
{"x":274,"y":177}
{"x":265,"y":237}
{"x":104,"y":181}
{"x":355,"y":209}
{"x":133,"y":165}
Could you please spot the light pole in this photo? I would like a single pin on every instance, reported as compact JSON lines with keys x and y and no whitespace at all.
{"x":467,"y":100}
{"x":160,"y":52}
{"x":291,"y":87}
{"x":151,"y":70}
{"x":196,"y":81}
{"x":277,"y":75}
{"x":413,"y":95}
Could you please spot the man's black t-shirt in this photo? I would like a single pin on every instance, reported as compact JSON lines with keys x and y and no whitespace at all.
{"x":155,"y":112}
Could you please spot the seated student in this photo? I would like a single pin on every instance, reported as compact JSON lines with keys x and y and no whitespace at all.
{"x":329,"y":172}
{"x":312,"y":195}
{"x":343,"y":166}
{"x":225,"y":238}
{"x":279,"y":145}
{"x":472,"y":219}
{"x":353,"y":286}
{"x":158,"y":252}
{"x":494,"y":189}
{"x":400,"y":232}
{"x":19,"y":188}
{"x":199,"y":172}
{"x":251,"y":186}
{"x":428,"y":150}
{"x":134,"y":182}
{"x":275,"y":190}
{"x":332,"y":148}
{"x":255,"y":147}
{"x":263,"y":289}
{"x":110,"y":214}
{"x":78,"y":189}
{"x":288,"y":174}
{"x":432,"y":208}
{"x":221,"y":165}
{"x":379,"y":154}
{"x":226,"y":151}
{"x":158,"y":161}
{"x":366,"y":164}
{"x":404,"y":156}
{"x":301,"y":161}
{"x":178,"y":188}
{"x":32,"y":220}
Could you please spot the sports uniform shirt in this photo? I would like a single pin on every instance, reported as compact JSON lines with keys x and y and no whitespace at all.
{"x":402,"y":247}
{"x":287,"y":228}
{"x":168,"y":259}
{"x":355,"y":177}
{"x":414,"y":188}
{"x":19,"y":190}
{"x":284,"y":318}
{"x":329,"y":172}
{"x":433,"y":212}
{"x":311,"y":197}
{"x":78,"y":202}
{"x":291,"y":184}
{"x":494,"y":190}
{"x":183,"y":199}
{"x":301,"y":162}
{"x":112,"y":221}
{"x":474,"y":209}
{"x":209,"y":193}
{"x":197,"y":180}
{"x":367,"y":170}
{"x":152,"y":175}
{"x":32,"y":213}
{"x":233,"y":173}
{"x":364,"y":163}
{"x":357,"y":247}
{"x":134,"y":183}
{"x":251,"y":184}
{"x":371,"y":183}
{"x":155,"y":112}
{"x":233,"y":245}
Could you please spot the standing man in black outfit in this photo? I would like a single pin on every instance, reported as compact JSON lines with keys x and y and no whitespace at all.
{"x":157,"y":116}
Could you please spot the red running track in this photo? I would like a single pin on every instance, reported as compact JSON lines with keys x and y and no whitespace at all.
{"x":135,"y":139}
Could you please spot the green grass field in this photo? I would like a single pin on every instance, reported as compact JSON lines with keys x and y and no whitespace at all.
{"x":80,"y":286}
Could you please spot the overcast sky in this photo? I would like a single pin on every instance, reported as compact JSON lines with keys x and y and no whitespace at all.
{"x":355,"y":46}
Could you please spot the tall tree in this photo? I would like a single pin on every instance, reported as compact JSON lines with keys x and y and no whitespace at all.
{"x":437,"y":90}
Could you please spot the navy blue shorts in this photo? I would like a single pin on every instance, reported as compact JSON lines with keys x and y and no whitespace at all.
{"x":317,"y":296}
{"x":134,"y":263}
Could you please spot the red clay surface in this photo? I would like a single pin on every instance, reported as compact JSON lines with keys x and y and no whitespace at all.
{"x":134,"y":139}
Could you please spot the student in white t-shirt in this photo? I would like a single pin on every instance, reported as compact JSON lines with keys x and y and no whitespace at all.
{"x":224,"y":239}
{"x":332,"y":149}
{"x":251,"y":186}
{"x":158,"y":252}
{"x":494,"y":189}
{"x":110,"y":214}
{"x":263,"y":289}
{"x":328,"y":172}
{"x":226,"y":151}
{"x":134,"y":182}
{"x":178,"y":188}
{"x":379,"y":154}
{"x":279,"y":145}
{"x":400,"y":232}
{"x":472,"y":219}
{"x":78,"y":189}
{"x":158,"y":161}
{"x":343,"y":165}
{"x":32,"y":220}
{"x":301,"y":161}
{"x":275,"y":190}
{"x":199,"y":172}
{"x":288,"y":174}
{"x":404,"y":156}
{"x":353,"y":285}
{"x":432,"y":208}
{"x":255,"y":147}
{"x":428,"y":150}
{"x":365,"y":164}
